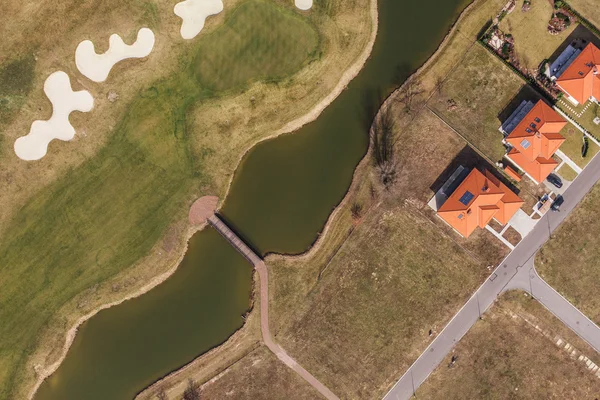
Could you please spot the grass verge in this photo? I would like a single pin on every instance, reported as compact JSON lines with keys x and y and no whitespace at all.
{"x":573,"y":145}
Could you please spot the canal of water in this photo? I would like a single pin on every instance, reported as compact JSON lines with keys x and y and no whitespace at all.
{"x":280,"y":199}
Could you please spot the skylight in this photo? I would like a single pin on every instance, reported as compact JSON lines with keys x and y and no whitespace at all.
{"x":525,"y":143}
{"x":538,"y":120}
{"x":466,"y":198}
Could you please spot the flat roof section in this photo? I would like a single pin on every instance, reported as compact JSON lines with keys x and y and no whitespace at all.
{"x":517,"y":116}
{"x":563,"y":61}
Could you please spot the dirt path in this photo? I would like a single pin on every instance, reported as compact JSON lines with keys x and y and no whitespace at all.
{"x":263,"y":274}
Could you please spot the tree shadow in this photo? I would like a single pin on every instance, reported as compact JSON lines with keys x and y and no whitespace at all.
{"x":579,"y":38}
{"x":526,"y":92}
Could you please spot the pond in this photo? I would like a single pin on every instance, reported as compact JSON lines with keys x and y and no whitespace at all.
{"x":281,"y":196}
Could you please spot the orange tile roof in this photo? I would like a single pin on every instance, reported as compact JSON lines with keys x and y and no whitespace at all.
{"x":581,"y":79}
{"x":536,"y":138}
{"x":477,"y":200}
{"x":512,"y":173}
{"x":538,"y":169}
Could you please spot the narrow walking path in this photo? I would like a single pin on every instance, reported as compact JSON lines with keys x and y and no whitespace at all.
{"x":263,"y":275}
{"x":568,"y":161}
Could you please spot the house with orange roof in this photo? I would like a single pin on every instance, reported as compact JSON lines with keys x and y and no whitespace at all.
{"x":578,"y":76}
{"x":477,"y":199}
{"x":532,"y":133}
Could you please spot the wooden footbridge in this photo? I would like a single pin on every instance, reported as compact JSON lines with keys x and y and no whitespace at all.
{"x":263,"y":275}
{"x":234,"y":239}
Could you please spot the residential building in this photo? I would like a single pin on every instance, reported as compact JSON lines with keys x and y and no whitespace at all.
{"x":578,"y":77}
{"x":532,"y":134}
{"x":477,"y":199}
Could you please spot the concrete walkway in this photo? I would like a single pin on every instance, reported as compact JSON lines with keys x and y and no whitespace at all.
{"x":517,"y":265}
{"x":568,"y":161}
{"x":522,"y":223}
{"x":263,"y":275}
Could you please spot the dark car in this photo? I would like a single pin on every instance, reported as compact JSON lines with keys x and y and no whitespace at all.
{"x":555,"y":180}
{"x":557,"y":203}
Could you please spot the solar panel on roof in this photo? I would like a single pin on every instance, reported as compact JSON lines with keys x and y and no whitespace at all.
{"x":466,"y":198}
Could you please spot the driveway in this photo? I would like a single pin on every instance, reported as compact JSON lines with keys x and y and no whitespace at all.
{"x":517,"y":265}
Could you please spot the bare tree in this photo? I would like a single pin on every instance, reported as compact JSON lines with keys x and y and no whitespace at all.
{"x":161,"y":395}
{"x":382,"y":135}
{"x":408,"y":93}
{"x":192,"y":392}
{"x":439,"y":85}
{"x":356,"y":210}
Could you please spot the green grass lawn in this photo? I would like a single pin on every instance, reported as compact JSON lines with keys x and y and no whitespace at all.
{"x":106,"y":214}
{"x":567,"y":173}
{"x":583,"y":118}
{"x":533,"y":43}
{"x":473,"y":96}
{"x":241,"y":51}
{"x":16,"y":79}
{"x":573,"y":144}
{"x":569,"y":261}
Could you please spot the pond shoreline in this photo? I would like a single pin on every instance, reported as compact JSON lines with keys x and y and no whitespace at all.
{"x":44,"y":372}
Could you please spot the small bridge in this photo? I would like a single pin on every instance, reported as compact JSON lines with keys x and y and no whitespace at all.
{"x":234,"y":239}
{"x":263,"y":274}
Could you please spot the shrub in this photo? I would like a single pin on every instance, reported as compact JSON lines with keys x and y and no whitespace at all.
{"x":585,"y":147}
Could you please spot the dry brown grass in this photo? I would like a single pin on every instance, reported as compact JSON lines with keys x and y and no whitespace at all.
{"x":569,"y":261}
{"x":504,"y":357}
{"x":588,"y":8}
{"x":348,"y":309}
{"x":259,"y":376}
{"x":398,"y":274}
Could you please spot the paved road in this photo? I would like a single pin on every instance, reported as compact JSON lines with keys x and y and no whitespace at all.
{"x":263,"y":275}
{"x":518,"y":266}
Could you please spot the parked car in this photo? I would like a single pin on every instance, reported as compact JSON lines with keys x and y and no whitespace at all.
{"x":555,"y":180}
{"x":557,"y":203}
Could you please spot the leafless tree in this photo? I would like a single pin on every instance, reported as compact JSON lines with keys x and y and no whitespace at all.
{"x":356,"y":210}
{"x":192,"y":392}
{"x":161,"y":395}
{"x":439,"y":85}
{"x":408,"y":94}
{"x":382,"y":136}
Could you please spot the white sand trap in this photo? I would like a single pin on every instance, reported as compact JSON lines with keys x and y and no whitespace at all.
{"x":64,"y":100}
{"x":97,"y":66}
{"x":194,"y":13}
{"x":304,"y":4}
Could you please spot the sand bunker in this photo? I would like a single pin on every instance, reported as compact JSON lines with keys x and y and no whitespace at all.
{"x":304,"y":4}
{"x":64,"y":100}
{"x":194,"y":13}
{"x":98,"y":66}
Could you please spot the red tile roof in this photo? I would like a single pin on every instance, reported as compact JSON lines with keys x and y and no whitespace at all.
{"x":477,"y":200}
{"x":581,"y":79}
{"x":536,"y":138}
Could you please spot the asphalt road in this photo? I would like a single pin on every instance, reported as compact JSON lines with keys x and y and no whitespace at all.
{"x":516,"y":271}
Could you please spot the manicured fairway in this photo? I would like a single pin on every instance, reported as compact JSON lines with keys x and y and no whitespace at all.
{"x":242,"y":49}
{"x":106,"y":214}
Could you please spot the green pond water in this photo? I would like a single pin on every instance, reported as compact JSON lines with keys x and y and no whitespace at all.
{"x":280,"y":199}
